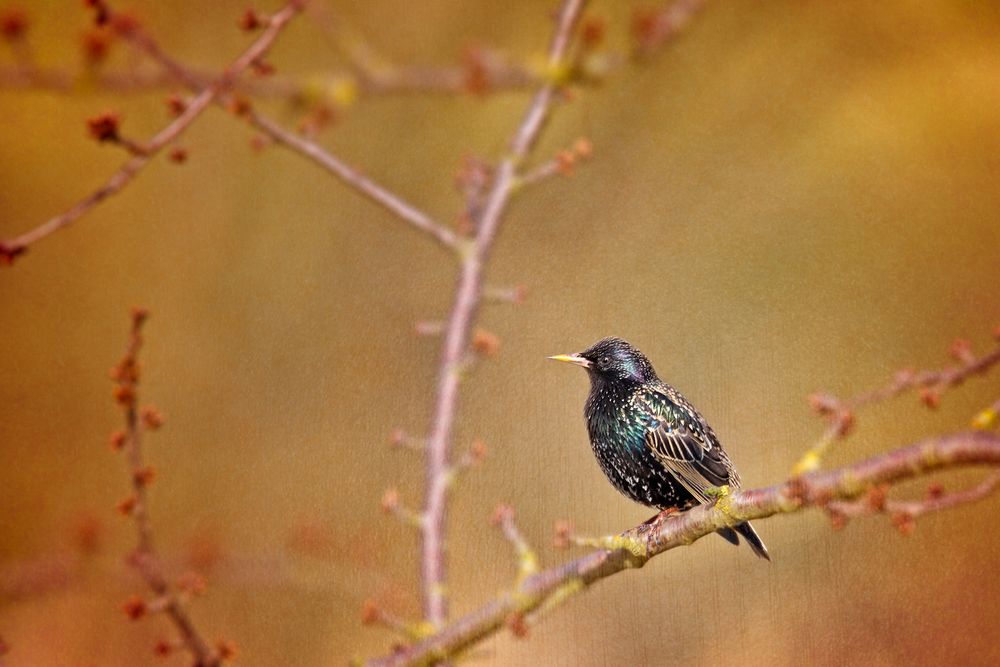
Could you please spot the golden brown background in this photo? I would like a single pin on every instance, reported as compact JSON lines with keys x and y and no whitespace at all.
{"x":794,"y":195}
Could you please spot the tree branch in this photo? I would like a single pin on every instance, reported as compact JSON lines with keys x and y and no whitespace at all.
{"x":468,"y":294}
{"x":482,"y":71}
{"x":636,"y":546}
{"x":303,"y":146}
{"x":355,"y":179}
{"x":840,"y":412}
{"x":656,"y":28}
{"x":145,"y":558}
{"x":121,"y":178}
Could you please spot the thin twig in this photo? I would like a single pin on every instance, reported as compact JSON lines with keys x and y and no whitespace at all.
{"x":915,"y":508}
{"x":303,"y":146}
{"x":121,"y":178}
{"x":904,"y":512}
{"x":373,"y":614}
{"x":355,"y":179}
{"x":654,"y":29}
{"x":391,"y":504}
{"x":145,"y":558}
{"x":635,"y":547}
{"x":447,"y":80}
{"x":62,"y":81}
{"x":840,"y":412}
{"x":562,"y":164}
{"x":527,"y":558}
{"x":906,"y":380}
{"x":468,"y":294}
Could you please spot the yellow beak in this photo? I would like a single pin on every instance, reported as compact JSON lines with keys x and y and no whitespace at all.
{"x":573,"y":359}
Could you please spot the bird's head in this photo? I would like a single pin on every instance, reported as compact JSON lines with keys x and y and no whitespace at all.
{"x":612,"y":359}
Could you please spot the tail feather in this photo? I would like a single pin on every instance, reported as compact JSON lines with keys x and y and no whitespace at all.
{"x":749,"y":534}
{"x":729,"y":535}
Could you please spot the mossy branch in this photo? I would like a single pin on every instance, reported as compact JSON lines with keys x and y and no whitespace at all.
{"x":550,"y":587}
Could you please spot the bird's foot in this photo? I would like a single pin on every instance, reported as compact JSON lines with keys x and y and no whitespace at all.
{"x":653,"y":523}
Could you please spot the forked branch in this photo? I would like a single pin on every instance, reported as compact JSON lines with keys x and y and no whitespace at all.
{"x":468,"y":296}
{"x":127,"y":172}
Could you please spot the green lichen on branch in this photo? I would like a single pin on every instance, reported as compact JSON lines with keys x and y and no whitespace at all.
{"x":552,"y":587}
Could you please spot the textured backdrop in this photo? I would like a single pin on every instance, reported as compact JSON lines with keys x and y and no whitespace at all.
{"x":792,"y":196}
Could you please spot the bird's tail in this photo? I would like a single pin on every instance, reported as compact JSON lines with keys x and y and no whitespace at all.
{"x":749,"y":534}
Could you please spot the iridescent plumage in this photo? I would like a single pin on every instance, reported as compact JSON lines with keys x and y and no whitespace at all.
{"x":652,"y":444}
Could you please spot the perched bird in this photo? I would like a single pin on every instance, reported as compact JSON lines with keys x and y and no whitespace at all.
{"x":650,"y":441}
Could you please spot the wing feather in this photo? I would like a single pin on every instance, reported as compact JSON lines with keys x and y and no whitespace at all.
{"x":684,"y":442}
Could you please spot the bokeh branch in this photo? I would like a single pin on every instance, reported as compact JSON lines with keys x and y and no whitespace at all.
{"x":904,"y":512}
{"x":480,"y":71}
{"x":176,"y":71}
{"x":168,"y":599}
{"x":635,"y":547}
{"x":527,"y":558}
{"x":468,"y":295}
{"x":373,"y":73}
{"x":655,"y":28}
{"x":107,"y":130}
{"x":355,"y":179}
{"x":299,"y":144}
{"x":930,"y":384}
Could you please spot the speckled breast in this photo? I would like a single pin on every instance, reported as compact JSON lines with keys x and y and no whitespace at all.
{"x":618,"y":440}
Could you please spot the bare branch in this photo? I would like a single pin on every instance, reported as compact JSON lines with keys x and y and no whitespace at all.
{"x":908,"y":379}
{"x":527,"y":558}
{"x":428,"y":328}
{"x":654,"y":29}
{"x":471,"y":458}
{"x":304,"y":147}
{"x":635,"y":547}
{"x":391,"y":504}
{"x":904,"y":512}
{"x":354,"y":178}
{"x":400,"y":439}
{"x":446,"y":80}
{"x":515,"y":295}
{"x":562,"y":164}
{"x":468,"y":295}
{"x":840,"y":412}
{"x":145,"y":558}
{"x":373,"y":614}
{"x":937,"y":502}
{"x":121,"y":178}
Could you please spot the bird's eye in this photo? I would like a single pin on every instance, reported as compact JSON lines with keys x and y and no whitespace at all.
{"x":604,"y":361}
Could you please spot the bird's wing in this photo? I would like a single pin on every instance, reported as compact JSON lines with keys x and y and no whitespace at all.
{"x":684,"y":443}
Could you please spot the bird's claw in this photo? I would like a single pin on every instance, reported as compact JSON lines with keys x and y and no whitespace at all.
{"x":653,"y":523}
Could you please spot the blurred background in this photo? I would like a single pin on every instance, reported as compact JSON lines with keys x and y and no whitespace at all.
{"x":790,"y":196}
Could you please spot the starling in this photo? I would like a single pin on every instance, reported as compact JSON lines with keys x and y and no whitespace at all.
{"x":649,"y":440}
